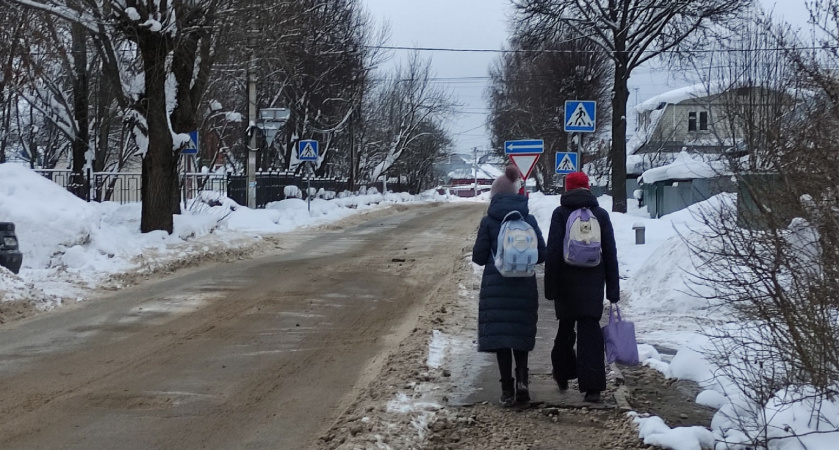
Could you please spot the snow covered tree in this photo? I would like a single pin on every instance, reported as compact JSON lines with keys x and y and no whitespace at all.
{"x":630,"y":32}
{"x":401,"y":112}
{"x":167,"y":36}
{"x":415,"y":170}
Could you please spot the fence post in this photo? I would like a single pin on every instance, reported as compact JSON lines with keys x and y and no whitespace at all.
{"x":87,"y":184}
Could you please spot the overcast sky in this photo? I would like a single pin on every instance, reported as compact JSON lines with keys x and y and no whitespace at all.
{"x":482,"y":24}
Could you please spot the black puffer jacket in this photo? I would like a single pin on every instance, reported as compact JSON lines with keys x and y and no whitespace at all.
{"x":507,"y":307}
{"x":578,"y":292}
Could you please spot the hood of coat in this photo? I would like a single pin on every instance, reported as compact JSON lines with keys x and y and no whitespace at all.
{"x":578,"y":198}
{"x":501,"y":204}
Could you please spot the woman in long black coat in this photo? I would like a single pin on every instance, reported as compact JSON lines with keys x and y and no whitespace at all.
{"x":507,"y":307}
{"x":578,"y":294}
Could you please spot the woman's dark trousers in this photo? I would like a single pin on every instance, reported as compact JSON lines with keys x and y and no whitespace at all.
{"x":587,"y":365}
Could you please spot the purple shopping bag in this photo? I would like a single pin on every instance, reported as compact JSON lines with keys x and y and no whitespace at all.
{"x":620,"y":340}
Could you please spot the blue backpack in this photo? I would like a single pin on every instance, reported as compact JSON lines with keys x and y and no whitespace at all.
{"x":516,"y":248}
{"x":582,"y":243}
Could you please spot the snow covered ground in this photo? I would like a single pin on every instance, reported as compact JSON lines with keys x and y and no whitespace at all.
{"x":72,"y":247}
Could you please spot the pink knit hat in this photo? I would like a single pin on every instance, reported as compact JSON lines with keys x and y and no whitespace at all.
{"x":506,"y":183}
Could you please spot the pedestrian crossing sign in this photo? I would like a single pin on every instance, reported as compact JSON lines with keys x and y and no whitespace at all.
{"x":308,"y":150}
{"x":580,"y":116}
{"x":191,"y":148}
{"x":565,"y":162}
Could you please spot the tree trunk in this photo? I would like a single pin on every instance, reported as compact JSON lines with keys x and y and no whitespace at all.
{"x":619,"y":130}
{"x":158,"y":163}
{"x":80,"y":109}
{"x":184,"y":116}
{"x":5,"y":116}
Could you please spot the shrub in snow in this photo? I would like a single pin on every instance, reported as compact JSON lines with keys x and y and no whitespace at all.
{"x":292,"y":192}
{"x":372,"y":191}
{"x":310,"y":192}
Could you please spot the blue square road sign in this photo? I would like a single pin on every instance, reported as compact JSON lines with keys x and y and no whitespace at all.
{"x":565,"y":162}
{"x":580,"y":116}
{"x":308,"y":150}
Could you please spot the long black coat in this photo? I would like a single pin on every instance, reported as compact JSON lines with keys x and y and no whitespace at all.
{"x":507,"y":307}
{"x":578,"y":292}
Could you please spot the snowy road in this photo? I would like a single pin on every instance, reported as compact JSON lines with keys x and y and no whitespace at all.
{"x":263,"y":353}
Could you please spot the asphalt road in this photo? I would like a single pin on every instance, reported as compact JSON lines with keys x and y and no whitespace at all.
{"x":263,"y":353}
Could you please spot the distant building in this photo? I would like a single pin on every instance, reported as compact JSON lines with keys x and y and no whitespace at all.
{"x":472,"y":181}
{"x":452,"y":163}
{"x":694,"y":119}
{"x":687,"y":180}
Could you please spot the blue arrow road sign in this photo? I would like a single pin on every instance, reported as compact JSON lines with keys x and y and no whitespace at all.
{"x":565,"y":162}
{"x":580,"y":116}
{"x":524,"y":146}
{"x":308,"y":150}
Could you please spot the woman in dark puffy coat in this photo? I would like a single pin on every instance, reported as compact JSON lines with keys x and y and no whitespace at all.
{"x":578,"y":294}
{"x":507,"y":307}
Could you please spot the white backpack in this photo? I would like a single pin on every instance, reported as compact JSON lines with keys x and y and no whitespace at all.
{"x":516,"y":248}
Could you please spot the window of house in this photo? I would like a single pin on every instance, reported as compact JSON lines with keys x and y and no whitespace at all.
{"x":693,"y":124}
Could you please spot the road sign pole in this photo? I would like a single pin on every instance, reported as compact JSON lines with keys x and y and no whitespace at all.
{"x":579,"y":152}
{"x":184,"y":181}
{"x":252,"y":144}
{"x":309,"y":189}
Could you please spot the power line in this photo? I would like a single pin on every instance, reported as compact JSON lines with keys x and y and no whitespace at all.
{"x":503,"y":51}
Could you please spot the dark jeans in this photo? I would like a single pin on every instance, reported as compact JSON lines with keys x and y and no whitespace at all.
{"x":587,"y":365}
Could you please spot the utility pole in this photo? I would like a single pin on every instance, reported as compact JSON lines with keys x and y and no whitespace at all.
{"x":475,"y":172}
{"x":252,"y":144}
{"x":352,"y":150}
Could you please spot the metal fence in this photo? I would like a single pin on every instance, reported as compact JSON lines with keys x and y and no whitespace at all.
{"x":125,"y":187}
{"x":122,"y":187}
{"x":271,"y":186}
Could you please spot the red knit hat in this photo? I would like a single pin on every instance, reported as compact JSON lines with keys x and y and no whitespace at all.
{"x":576,"y":180}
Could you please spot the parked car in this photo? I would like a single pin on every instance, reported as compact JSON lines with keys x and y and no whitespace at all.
{"x":10,"y":255}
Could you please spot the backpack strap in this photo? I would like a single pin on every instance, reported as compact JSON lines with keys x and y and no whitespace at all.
{"x":512,"y":212}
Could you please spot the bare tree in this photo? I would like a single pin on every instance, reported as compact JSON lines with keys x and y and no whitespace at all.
{"x":404,"y":107}
{"x":630,"y":32}
{"x":415,"y":169}
{"x":772,"y":257}
{"x":311,"y":57}
{"x":12,"y":31}
{"x":529,"y":87}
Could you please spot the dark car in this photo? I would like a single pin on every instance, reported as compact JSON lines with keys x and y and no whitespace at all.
{"x":10,"y":255}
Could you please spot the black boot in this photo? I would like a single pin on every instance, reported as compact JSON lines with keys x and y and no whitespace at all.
{"x":522,"y":394}
{"x":508,"y":392}
{"x":592,"y":397}
{"x":562,"y":383}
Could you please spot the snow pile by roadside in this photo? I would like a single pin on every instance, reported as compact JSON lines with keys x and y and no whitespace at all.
{"x":70,"y":246}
